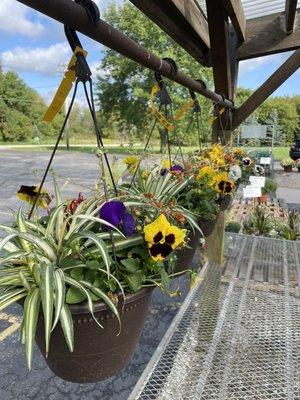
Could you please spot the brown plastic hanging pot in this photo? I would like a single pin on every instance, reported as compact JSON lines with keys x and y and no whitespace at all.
{"x":98,"y":353}
{"x":224,"y":202}
{"x":207,"y":226}
{"x":185,"y":255}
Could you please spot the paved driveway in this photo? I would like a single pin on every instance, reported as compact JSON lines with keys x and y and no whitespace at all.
{"x":81,"y":170}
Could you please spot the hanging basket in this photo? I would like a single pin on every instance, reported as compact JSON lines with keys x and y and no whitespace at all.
{"x":98,"y":353}
{"x":207,"y":226}
{"x":185,"y":256}
{"x":224,"y":202}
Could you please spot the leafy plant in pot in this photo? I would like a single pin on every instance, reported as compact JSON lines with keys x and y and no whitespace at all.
{"x":84,"y":274}
{"x":269,"y":188}
{"x":165,"y":185}
{"x":287,"y":164}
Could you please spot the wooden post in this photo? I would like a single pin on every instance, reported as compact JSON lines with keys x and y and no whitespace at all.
{"x":225,"y":68}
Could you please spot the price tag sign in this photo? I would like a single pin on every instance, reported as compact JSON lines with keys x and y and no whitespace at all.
{"x":251,"y":192}
{"x":265,"y":160}
{"x":257,"y":181}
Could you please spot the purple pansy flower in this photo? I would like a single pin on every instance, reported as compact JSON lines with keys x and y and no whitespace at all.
{"x":176,"y":168}
{"x":128,"y":224}
{"x":115,"y":213}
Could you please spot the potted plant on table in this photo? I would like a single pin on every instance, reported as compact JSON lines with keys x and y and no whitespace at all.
{"x":287,"y":164}
{"x":83,"y":275}
{"x":269,"y":188}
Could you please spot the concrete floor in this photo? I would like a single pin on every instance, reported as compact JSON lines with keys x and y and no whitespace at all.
{"x":81,"y":171}
{"x":288,"y":186}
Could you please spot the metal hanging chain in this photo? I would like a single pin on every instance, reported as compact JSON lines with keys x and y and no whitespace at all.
{"x":189,"y":124}
{"x":176,"y":135}
{"x":54,"y":151}
{"x":91,"y":105}
{"x":144,"y":150}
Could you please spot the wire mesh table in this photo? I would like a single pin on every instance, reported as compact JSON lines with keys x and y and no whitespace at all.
{"x":237,"y":335}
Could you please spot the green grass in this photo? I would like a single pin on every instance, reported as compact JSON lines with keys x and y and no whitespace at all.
{"x":112,"y":148}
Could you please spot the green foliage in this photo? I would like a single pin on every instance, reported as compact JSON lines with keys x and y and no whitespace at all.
{"x":258,"y":223}
{"x":270,"y":186}
{"x":234,"y":227}
{"x":287,"y":162}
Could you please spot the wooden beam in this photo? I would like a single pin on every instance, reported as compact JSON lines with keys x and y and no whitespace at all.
{"x":290,"y":66}
{"x":235,"y":11}
{"x":182,"y":20}
{"x":220,"y":46}
{"x":290,"y":13}
{"x":267,"y":35}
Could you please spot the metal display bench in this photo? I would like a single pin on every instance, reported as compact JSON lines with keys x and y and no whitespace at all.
{"x":237,"y":335}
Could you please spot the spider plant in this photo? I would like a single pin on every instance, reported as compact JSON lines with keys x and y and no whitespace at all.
{"x":75,"y":255}
{"x":40,"y":264}
{"x":153,"y":188}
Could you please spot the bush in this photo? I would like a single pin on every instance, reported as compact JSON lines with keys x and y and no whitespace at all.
{"x":234,"y":227}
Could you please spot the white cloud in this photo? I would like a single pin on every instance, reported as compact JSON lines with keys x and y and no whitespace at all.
{"x":14,"y":18}
{"x":259,"y":62}
{"x":41,"y":60}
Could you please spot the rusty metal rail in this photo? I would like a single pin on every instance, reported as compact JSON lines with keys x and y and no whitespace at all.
{"x":73,"y":15}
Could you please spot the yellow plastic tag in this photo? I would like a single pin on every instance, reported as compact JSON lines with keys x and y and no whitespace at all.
{"x":155,"y":111}
{"x":64,"y":88}
{"x":213,"y":119}
{"x":161,"y":118}
{"x":183,"y":110}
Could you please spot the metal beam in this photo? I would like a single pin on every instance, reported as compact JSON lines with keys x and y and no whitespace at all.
{"x":72,"y":14}
{"x":290,"y":13}
{"x":235,"y":11}
{"x":267,"y":35}
{"x":182,"y":20}
{"x":290,"y":66}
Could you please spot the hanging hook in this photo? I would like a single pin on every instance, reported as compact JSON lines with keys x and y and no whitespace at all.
{"x":83,"y":72}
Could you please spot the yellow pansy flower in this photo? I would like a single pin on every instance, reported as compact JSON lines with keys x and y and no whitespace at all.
{"x":162,"y":238}
{"x":132,"y":163}
{"x":207,"y":172}
{"x":223,"y":184}
{"x":166,"y":164}
{"x":30,"y":193}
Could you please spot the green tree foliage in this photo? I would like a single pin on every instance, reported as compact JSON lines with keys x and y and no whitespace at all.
{"x":123,"y":90}
{"x":21,"y":112}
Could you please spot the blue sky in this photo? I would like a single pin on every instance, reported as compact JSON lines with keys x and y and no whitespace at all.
{"x":34,"y":46}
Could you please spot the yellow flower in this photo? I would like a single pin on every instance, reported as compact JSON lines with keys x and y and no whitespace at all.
{"x":207,"y":172}
{"x":163,"y":238}
{"x":132,"y":163}
{"x":30,"y":193}
{"x":145,"y":174}
{"x":216,"y":154}
{"x":238,"y":151}
{"x":166,"y":164}
{"x":223,"y":184}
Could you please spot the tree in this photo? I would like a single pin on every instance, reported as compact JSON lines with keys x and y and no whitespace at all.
{"x":124,"y":86}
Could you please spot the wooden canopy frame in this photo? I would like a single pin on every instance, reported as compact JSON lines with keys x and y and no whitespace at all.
{"x":219,"y":40}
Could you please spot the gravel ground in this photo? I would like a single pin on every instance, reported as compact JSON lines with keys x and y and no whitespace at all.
{"x":81,"y":171}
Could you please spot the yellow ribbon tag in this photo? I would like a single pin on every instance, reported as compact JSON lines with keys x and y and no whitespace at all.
{"x":213,"y":119}
{"x":161,"y":118}
{"x":184,"y":110}
{"x":155,"y":111}
{"x":64,"y":88}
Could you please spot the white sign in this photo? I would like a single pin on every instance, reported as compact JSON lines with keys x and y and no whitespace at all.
{"x":257,"y":181}
{"x":254,"y":132}
{"x":265,"y":160}
{"x":250,"y":192}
